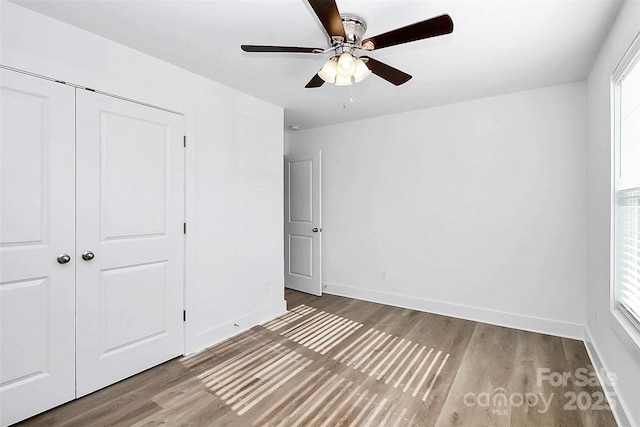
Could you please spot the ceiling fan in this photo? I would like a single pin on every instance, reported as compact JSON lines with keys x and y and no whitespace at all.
{"x":345,"y":32}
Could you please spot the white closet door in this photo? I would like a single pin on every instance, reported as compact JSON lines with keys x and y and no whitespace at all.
{"x":130,"y":212}
{"x":37,"y":300}
{"x":303,"y":223}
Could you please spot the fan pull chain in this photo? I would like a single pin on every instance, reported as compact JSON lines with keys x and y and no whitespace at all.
{"x":344,"y":99}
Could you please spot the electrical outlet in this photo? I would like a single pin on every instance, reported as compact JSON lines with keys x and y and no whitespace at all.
{"x":384,"y":275}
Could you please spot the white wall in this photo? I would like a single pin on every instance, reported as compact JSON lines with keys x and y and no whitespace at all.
{"x":476,"y":209}
{"x":606,"y":340}
{"x":234,"y":246}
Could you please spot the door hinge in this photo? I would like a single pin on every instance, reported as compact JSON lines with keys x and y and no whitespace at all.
{"x":184,"y":140}
{"x":185,"y":228}
{"x":184,"y":315}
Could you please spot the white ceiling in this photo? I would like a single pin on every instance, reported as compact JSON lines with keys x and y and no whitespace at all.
{"x":496,"y":47}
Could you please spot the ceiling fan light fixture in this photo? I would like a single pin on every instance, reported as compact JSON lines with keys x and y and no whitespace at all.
{"x":329,"y":71}
{"x":346,"y":32}
{"x":361,"y":71}
{"x":343,"y":80}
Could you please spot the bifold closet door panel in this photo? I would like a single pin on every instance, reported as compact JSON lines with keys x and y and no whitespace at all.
{"x":37,"y":230}
{"x":130,"y":242}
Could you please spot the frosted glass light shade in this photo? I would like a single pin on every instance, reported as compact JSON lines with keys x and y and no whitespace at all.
{"x":346,"y":64}
{"x":361,"y":72}
{"x":343,"y":80}
{"x":329,"y":71}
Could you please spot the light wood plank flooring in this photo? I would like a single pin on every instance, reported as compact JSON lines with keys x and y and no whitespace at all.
{"x":336,"y":361}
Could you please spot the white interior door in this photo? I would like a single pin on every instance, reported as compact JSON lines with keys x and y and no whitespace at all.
{"x":130,"y":213}
{"x":303,"y":223}
{"x":37,"y":224}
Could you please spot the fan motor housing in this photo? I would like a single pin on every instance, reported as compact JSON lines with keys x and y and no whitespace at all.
{"x":354,"y":27}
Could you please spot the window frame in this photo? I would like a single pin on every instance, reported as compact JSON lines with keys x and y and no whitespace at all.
{"x":626,"y":323}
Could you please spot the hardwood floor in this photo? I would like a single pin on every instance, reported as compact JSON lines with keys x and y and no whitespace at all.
{"x":336,"y":361}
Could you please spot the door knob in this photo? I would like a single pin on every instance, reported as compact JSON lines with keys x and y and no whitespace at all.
{"x":63,"y":258}
{"x":316,"y":229}
{"x":87,"y":256}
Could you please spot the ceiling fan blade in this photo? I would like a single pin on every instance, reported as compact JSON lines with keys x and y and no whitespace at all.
{"x":316,"y":81}
{"x":283,"y":49}
{"x":420,"y":30}
{"x":329,"y":16}
{"x":387,"y":72}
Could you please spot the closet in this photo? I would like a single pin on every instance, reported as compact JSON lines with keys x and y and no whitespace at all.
{"x":91,"y":241}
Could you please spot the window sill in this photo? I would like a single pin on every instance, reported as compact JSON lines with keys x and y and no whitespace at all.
{"x":627,"y":332}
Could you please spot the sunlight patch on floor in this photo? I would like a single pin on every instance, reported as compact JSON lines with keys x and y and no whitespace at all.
{"x":294,"y":315}
{"x":322,"y":332}
{"x":398,"y":362}
{"x":246,"y":379}
{"x":247,"y":371}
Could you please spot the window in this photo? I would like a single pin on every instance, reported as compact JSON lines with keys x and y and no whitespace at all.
{"x":627,"y":186}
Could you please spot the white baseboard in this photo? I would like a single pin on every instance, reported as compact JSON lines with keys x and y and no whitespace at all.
{"x":510,"y":320}
{"x":619,"y":408}
{"x":216,"y":334}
